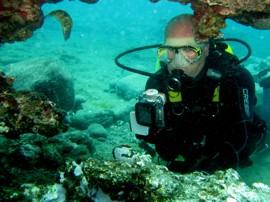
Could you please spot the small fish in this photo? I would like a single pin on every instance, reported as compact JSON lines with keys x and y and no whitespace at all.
{"x":66,"y":21}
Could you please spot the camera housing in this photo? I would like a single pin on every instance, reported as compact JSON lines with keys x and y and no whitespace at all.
{"x":149,"y":110}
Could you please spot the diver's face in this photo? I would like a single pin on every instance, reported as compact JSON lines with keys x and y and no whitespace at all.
{"x":186,"y":54}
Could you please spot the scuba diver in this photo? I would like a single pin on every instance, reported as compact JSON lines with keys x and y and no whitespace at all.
{"x":198,"y":108}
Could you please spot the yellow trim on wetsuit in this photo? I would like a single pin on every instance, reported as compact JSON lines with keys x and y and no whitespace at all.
{"x":175,"y":96}
{"x":229,"y":49}
{"x":216,"y":97}
{"x":160,"y":52}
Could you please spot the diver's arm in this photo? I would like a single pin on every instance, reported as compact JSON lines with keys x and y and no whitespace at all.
{"x":239,"y":138}
{"x":239,"y":133}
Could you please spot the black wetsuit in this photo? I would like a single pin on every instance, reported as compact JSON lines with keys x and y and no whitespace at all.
{"x":209,"y":135}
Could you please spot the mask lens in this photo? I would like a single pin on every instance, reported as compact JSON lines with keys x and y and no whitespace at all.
{"x":192,"y":54}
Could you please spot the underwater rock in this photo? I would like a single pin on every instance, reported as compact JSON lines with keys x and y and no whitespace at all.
{"x":55,"y":192}
{"x":52,"y":155}
{"x":82,"y":119}
{"x":59,"y":89}
{"x":96,"y":113}
{"x":33,"y":158}
{"x":141,"y":180}
{"x":5,"y":82}
{"x":23,"y":112}
{"x":262,"y":68}
{"x":121,"y":112}
{"x":49,"y":152}
{"x":18,"y":19}
{"x":47,"y":76}
{"x":33,"y":150}
{"x":26,"y":155}
{"x":79,"y":152}
{"x":104,"y":117}
{"x":4,"y":144}
{"x":210,"y":15}
{"x":129,"y":87}
{"x":256,"y":20}
{"x":264,"y":64}
{"x":31,"y":138}
{"x":97,"y":131}
{"x":144,"y":181}
{"x":73,"y":145}
{"x":259,"y":68}
{"x":81,"y":139}
{"x":78,"y":103}
{"x":26,"y":111}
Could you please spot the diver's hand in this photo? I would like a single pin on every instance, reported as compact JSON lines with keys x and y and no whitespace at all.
{"x":226,"y":157}
{"x":151,"y":137}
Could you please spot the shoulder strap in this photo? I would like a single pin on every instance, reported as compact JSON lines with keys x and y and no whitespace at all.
{"x":216,"y":97}
{"x":221,"y":53}
{"x":220,"y":61}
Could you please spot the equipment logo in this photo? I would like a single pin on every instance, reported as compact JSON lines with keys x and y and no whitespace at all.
{"x":246,"y":102}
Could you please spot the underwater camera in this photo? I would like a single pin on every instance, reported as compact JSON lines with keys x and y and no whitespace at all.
{"x":149,"y":111}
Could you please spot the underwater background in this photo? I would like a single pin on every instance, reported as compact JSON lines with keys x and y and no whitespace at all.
{"x":105,"y":93}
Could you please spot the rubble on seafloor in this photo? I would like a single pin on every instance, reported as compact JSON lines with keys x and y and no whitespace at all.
{"x":141,"y":180}
{"x":19,"y":18}
{"x":33,"y":144}
{"x":27,"y":111}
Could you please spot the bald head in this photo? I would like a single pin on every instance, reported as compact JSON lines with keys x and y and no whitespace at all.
{"x":180,"y":31}
{"x":180,"y":26}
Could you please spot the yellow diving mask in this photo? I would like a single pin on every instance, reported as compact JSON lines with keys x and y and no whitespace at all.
{"x":188,"y":53}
